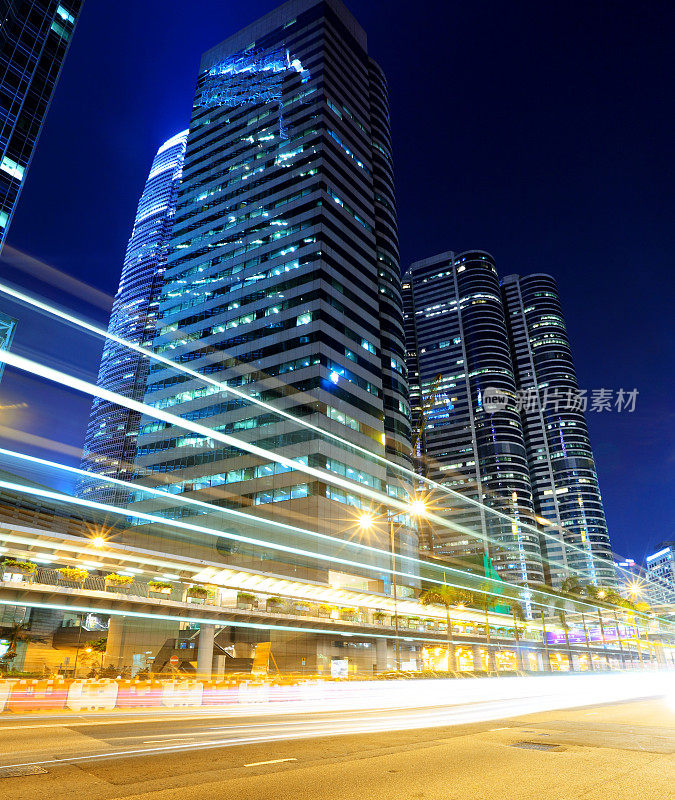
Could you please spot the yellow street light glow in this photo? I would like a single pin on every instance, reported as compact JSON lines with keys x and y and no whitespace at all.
{"x":418,"y":508}
{"x":98,"y":541}
{"x":366,"y":521}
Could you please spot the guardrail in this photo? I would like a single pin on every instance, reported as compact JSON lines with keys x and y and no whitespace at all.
{"x":288,"y":607}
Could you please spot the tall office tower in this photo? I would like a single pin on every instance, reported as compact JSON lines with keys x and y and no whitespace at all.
{"x":110,"y":444}
{"x":283,"y":280}
{"x":458,"y":354}
{"x":34,"y":39}
{"x":562,"y":467}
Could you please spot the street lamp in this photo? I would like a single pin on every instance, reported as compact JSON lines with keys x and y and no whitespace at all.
{"x":417,"y":508}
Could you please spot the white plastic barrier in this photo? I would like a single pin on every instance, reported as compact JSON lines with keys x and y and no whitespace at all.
{"x":5,"y":689}
{"x":182,"y":693}
{"x":254,"y":692}
{"x":92,"y":695}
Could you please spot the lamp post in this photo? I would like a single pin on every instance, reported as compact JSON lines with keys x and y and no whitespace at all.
{"x":416,"y":508}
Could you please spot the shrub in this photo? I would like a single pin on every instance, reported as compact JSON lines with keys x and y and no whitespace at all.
{"x":118,"y":580}
{"x":326,"y":609}
{"x":198,"y":591}
{"x":245,"y":597}
{"x":379,"y":615}
{"x":158,"y":586}
{"x":76,"y":574}
{"x":20,"y":566}
{"x":275,"y":602}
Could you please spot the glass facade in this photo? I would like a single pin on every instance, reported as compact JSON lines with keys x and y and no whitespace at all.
{"x":457,"y":349}
{"x":34,"y":39}
{"x":282,"y":281}
{"x":110,"y":444}
{"x":562,"y":467}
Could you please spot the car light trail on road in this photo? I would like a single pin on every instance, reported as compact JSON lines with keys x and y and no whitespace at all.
{"x":338,"y":709}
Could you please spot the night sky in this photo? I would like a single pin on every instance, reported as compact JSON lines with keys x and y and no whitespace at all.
{"x":540,"y":132}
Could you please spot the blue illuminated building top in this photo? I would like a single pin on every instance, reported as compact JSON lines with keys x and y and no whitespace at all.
{"x":253,"y":77}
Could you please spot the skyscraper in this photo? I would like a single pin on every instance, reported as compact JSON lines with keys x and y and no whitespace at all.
{"x":283,"y":278}
{"x":110,"y":444}
{"x":562,"y":468}
{"x":34,"y":39}
{"x":457,"y":350}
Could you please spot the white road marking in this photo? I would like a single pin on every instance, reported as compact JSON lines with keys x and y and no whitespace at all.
{"x":274,"y":761}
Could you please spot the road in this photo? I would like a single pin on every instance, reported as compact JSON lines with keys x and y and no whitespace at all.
{"x":617,"y":750}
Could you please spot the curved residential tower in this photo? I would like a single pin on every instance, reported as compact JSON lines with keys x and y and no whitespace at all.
{"x":562,"y":467}
{"x":458,"y":353}
{"x":110,"y":444}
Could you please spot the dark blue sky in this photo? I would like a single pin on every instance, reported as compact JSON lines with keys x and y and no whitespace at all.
{"x":541,"y":132}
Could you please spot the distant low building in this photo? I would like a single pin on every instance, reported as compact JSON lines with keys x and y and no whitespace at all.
{"x":661,"y":565}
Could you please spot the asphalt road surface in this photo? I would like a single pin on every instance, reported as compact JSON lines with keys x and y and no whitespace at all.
{"x":620,"y":750}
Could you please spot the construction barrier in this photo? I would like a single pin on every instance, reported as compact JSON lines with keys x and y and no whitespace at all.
{"x":254,"y":692}
{"x":92,"y":695}
{"x":139,"y":694}
{"x":180,"y":694}
{"x":219,"y":693}
{"x":5,"y":689}
{"x":35,"y":694}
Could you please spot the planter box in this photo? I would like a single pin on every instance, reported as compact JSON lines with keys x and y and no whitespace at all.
{"x":198,"y":601}
{"x":17,"y":576}
{"x":159,"y":591}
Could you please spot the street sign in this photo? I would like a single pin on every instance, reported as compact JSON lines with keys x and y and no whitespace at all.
{"x":174,"y":661}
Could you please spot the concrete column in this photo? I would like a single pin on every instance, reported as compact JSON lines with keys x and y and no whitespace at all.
{"x":381,"y":648}
{"x":207,"y":634}
{"x":477,"y":657}
{"x":114,"y":645}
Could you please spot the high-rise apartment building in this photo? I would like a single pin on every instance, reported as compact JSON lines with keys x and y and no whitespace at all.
{"x":110,"y":444}
{"x":493,"y":384}
{"x":283,"y":280}
{"x":458,"y":350}
{"x":562,"y":468}
{"x":34,"y":39}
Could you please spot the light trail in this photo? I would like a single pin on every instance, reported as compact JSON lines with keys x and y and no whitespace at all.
{"x":340,"y":709}
{"x":219,"y":623}
{"x":499,"y":586}
{"x":49,"y":373}
{"x":56,"y":277}
{"x":408,"y":473}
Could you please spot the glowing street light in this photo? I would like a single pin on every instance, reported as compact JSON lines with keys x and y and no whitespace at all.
{"x":366,"y":521}
{"x":98,"y":541}
{"x":418,"y":508}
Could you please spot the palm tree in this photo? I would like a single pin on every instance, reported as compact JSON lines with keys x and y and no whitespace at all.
{"x":446,"y":596}
{"x":518,"y":616}
{"x":483,"y":599}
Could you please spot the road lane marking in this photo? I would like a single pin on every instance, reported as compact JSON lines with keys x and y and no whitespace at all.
{"x":273,"y":761}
